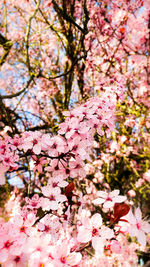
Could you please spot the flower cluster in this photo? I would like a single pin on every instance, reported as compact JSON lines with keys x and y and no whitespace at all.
{"x":56,"y":227}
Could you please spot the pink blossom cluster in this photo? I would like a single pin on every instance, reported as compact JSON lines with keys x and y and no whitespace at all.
{"x":70,"y":215}
{"x":54,"y":240}
{"x":58,"y":226}
{"x":73,"y":142}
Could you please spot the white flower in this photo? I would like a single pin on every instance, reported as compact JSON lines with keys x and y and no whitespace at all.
{"x":138,"y":226}
{"x":108,"y":199}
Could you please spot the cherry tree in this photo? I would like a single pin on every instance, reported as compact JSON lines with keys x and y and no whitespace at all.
{"x":74,"y":133}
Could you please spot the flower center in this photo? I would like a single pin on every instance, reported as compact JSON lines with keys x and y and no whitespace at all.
{"x":54,"y":146}
{"x":22,"y":229}
{"x":63,"y":259}
{"x":17,"y":259}
{"x":15,"y":143}
{"x":52,"y":197}
{"x":94,"y":232}
{"x":67,"y":171}
{"x":54,"y":184}
{"x":7,"y":160}
{"x":47,"y":228}
{"x":33,"y":204}
{"x":108,"y":199}
{"x":75,"y":147}
{"x":35,"y":142}
{"x":138,"y":225}
{"x":50,"y":256}
{"x":7,"y":244}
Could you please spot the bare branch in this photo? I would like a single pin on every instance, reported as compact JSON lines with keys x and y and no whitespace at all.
{"x":63,"y":74}
{"x":67,"y":17}
{"x":28,"y":34}
{"x":7,"y":44}
{"x":20,"y":92}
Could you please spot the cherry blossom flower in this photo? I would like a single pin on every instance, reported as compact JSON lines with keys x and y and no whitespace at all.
{"x":56,"y":145}
{"x":32,"y":141}
{"x":57,"y":181}
{"x":138,"y":227}
{"x":17,"y":260}
{"x":50,"y":225}
{"x":39,"y":162}
{"x":89,"y":228}
{"x":33,"y":203}
{"x":53,"y":198}
{"x":64,"y":258}
{"x":92,"y":230}
{"x":108,"y":199}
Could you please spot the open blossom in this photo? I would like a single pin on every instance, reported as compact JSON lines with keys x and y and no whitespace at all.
{"x":53,"y":198}
{"x":33,"y":203}
{"x":19,"y":260}
{"x":57,"y":181}
{"x":138,"y":227}
{"x":50,"y":225}
{"x":32,"y":141}
{"x":56,"y":145}
{"x":11,"y":242}
{"x":89,"y":228}
{"x":92,"y":230}
{"x":108,"y":199}
{"x":64,"y":258}
{"x":38,"y":163}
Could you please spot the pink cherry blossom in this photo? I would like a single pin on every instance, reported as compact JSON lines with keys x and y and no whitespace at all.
{"x":138,"y":227}
{"x":108,"y":199}
{"x":74,"y":102}
{"x":39,"y":162}
{"x":64,"y":258}
{"x":32,"y":141}
{"x":52,"y":198}
{"x":90,"y":228}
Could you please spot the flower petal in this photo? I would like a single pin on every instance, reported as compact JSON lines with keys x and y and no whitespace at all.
{"x":84,"y":235}
{"x":98,"y":244}
{"x":98,"y":201}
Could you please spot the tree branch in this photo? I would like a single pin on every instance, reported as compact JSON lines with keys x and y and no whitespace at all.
{"x":63,"y":74}
{"x":20,"y":92}
{"x":67,"y":17}
{"x":7,"y":44}
{"x":28,"y":34}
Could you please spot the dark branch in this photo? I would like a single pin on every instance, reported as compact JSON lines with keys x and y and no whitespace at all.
{"x":7,"y":44}
{"x":67,"y":17}
{"x":20,"y":92}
